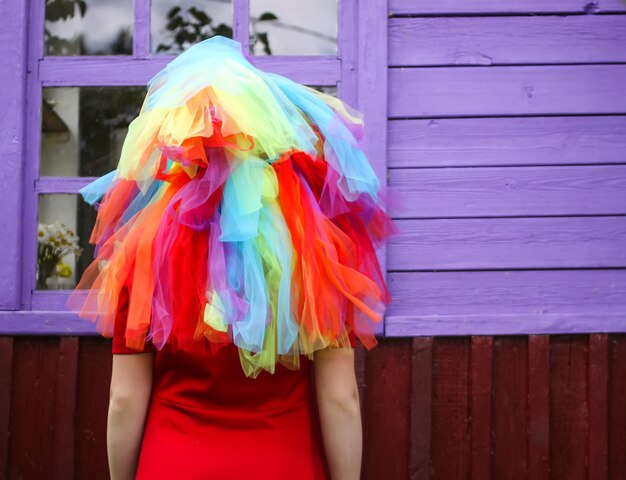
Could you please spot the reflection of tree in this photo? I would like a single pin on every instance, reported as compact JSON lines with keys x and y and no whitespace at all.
{"x":190,"y":26}
{"x":187,"y":27}
{"x":65,"y":10}
{"x":61,"y":10}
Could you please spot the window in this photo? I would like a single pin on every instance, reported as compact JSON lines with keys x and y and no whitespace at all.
{"x":88,"y":62}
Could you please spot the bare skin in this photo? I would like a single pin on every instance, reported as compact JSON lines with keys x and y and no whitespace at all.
{"x":340,"y":413}
{"x":131,"y":384}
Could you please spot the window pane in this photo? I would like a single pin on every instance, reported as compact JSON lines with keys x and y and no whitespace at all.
{"x":88,"y":27}
{"x":83,"y":128}
{"x":177,"y":24}
{"x":297,"y":27}
{"x":65,"y":223}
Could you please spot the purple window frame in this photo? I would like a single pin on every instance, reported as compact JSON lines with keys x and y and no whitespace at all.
{"x":25,"y":310}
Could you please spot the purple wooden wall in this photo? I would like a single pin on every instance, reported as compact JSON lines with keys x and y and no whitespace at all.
{"x":507,"y":155}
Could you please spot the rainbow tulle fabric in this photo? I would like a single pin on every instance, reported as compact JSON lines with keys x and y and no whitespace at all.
{"x":243,"y":210}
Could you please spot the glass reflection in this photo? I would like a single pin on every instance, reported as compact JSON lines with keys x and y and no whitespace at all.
{"x":64,"y":224}
{"x":88,"y":27}
{"x":297,"y":27}
{"x":83,"y":128}
{"x":175,"y":25}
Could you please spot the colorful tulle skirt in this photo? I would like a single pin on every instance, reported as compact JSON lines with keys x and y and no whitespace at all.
{"x":243,"y":210}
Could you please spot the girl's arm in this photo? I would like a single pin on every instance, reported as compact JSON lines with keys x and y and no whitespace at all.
{"x":131,"y":384}
{"x":340,"y":412}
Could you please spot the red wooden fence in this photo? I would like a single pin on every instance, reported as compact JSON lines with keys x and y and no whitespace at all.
{"x":528,"y":407}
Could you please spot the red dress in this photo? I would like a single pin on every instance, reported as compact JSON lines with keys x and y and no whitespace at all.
{"x":206,"y":419}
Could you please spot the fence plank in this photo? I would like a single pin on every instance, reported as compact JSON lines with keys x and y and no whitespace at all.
{"x":450,"y":442}
{"x":421,"y":408}
{"x":6,"y":376}
{"x":479,"y":243}
{"x":617,"y":412}
{"x":65,"y":408}
{"x":422,"y":7}
{"x":538,"y":407}
{"x":92,"y":401}
{"x":522,"y":191}
{"x":569,"y":407}
{"x":507,"y":90}
{"x":506,"y":141}
{"x":387,"y":405}
{"x":510,"y":391}
{"x":499,"y":40}
{"x":32,"y":424}
{"x":598,"y":405}
{"x":507,"y":302}
{"x":480,"y":410}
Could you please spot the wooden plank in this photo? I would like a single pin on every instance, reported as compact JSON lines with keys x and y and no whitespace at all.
{"x":44,"y":322}
{"x":506,"y":141}
{"x":421,"y":408}
{"x":92,"y":401}
{"x":32,"y":425}
{"x":507,"y":90}
{"x":500,"y":40}
{"x":617,"y":412}
{"x":387,"y":406}
{"x":510,"y":392}
{"x":6,"y":377}
{"x":13,"y":38}
{"x":141,"y":28}
{"x":424,"y":7}
{"x":241,"y":23}
{"x":521,"y":191}
{"x":371,"y":96}
{"x":488,"y":243}
{"x":31,"y":158}
{"x":450,"y":438}
{"x":507,"y":302}
{"x":481,"y":365}
{"x":598,"y":405}
{"x":569,"y":429}
{"x":538,"y":407}
{"x":65,"y":408}
{"x":113,"y":70}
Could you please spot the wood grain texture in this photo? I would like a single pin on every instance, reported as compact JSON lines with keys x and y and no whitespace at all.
{"x":507,"y":90}
{"x":371,"y":97}
{"x":94,"y":374}
{"x":506,"y":141}
{"x":488,"y":243}
{"x":450,"y":442}
{"x":598,"y":405}
{"x":569,"y":407}
{"x":32,"y":420}
{"x":65,"y":408}
{"x":481,"y":406}
{"x":421,"y":408}
{"x":116,"y":71}
{"x":510,"y":407}
{"x":141,"y":28}
{"x":13,"y":41}
{"x":470,"y":407}
{"x":6,"y":381}
{"x":445,"y":7}
{"x":507,"y":302}
{"x":501,"y":40}
{"x":538,"y":428}
{"x":616,"y":410}
{"x":387,"y":406}
{"x":493,"y":191}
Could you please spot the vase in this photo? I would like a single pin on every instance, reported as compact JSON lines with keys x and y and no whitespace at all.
{"x":46,"y":270}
